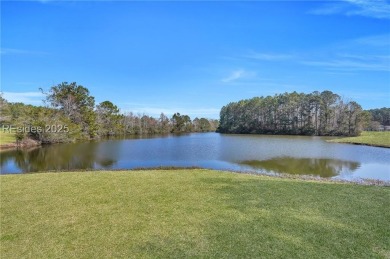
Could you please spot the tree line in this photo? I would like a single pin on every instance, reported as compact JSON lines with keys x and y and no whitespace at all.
{"x":71,"y":105}
{"x":379,"y":118}
{"x":71,"y":114}
{"x":317,"y":113}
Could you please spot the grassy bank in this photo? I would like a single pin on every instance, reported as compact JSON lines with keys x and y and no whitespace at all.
{"x":370,"y":138}
{"x":8,"y":141}
{"x":189,"y":213}
{"x":7,"y":138}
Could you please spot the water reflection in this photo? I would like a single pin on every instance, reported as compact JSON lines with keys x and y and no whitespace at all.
{"x":304,"y":166}
{"x":60,"y":157}
{"x":256,"y":153}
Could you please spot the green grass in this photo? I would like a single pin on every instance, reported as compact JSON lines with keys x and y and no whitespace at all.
{"x":190,"y":213}
{"x":7,"y":137}
{"x":371,"y":138}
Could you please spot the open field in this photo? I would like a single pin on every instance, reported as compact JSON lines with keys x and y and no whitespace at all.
{"x":6,"y":137}
{"x":189,"y":213}
{"x":370,"y":138}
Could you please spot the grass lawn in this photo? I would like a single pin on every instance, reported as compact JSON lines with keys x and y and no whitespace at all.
{"x":371,"y":138}
{"x":7,"y":137}
{"x":190,"y":213}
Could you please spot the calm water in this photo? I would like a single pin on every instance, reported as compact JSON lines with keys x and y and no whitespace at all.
{"x":254,"y":153}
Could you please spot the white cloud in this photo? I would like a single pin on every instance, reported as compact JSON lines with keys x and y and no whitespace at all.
{"x":328,"y":9}
{"x":5,"y":51}
{"x":379,"y":9}
{"x":371,"y":8}
{"x":238,"y":74}
{"x":268,"y":56}
{"x":351,"y":62}
{"x":351,"y":65}
{"x":382,"y":40}
{"x":10,"y":51}
{"x":34,"y":98}
{"x":369,"y":53}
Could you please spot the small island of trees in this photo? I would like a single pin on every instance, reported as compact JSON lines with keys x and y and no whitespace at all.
{"x":318,"y":113}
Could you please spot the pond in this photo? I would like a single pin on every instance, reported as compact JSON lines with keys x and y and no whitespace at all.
{"x":250,"y":153}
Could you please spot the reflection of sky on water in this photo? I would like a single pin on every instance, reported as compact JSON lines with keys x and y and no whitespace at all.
{"x":255,"y":153}
{"x":368,"y":171}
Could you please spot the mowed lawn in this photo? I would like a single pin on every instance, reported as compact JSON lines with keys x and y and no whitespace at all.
{"x":6,"y":137}
{"x":371,"y":138}
{"x":190,"y":213}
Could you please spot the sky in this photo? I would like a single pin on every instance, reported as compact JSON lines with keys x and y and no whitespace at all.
{"x":194,"y":57}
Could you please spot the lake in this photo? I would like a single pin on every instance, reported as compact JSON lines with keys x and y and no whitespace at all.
{"x":250,"y":153}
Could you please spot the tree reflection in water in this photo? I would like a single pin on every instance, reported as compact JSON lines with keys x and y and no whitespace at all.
{"x":306,"y":166}
{"x":63,"y":157}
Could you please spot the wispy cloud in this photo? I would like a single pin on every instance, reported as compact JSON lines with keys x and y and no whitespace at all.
{"x":10,"y":51}
{"x":382,"y":40}
{"x":374,"y":97}
{"x":379,"y":9}
{"x":329,"y":8}
{"x":379,"y":63}
{"x":370,"y":53}
{"x":237,"y":75}
{"x":268,"y":56}
{"x":371,"y":8}
{"x":49,"y":1}
{"x":34,"y":98}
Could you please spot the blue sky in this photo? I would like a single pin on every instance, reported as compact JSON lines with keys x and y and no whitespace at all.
{"x":193,"y":57}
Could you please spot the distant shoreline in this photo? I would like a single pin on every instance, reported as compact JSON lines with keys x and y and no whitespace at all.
{"x":304,"y":178}
{"x":359,"y":144}
{"x":367,"y":138}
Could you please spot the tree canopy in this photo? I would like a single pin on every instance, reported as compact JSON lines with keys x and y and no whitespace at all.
{"x":318,"y":113}
{"x":71,"y":115}
{"x":71,"y":107}
{"x":382,"y":116}
{"x":75,"y":102}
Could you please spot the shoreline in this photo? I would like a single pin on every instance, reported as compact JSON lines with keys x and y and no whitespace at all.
{"x":33,"y":143}
{"x":27,"y":143}
{"x":303,"y":178}
{"x":358,"y":144}
{"x":367,"y":138}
